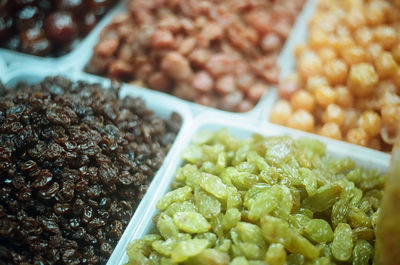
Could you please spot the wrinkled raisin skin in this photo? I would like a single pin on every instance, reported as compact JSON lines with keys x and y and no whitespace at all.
{"x":75,"y":161}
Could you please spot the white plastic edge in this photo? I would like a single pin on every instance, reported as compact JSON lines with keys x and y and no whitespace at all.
{"x":162,"y":105}
{"x":362,"y":156}
{"x":3,"y":67}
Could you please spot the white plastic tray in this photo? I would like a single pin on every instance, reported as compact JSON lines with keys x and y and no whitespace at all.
{"x":162,"y":105}
{"x":76,"y":60}
{"x":362,"y":156}
{"x":16,"y":58}
{"x":3,"y":66}
{"x":284,"y":61}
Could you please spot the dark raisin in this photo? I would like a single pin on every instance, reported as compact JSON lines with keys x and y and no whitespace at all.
{"x":44,"y":178}
{"x":29,"y":166}
{"x":87,"y":214}
{"x":62,"y":208}
{"x":94,"y":191}
{"x":79,"y":233}
{"x":49,"y":192}
{"x":6,"y":24}
{"x":70,"y":256}
{"x":105,"y":202}
{"x":67,"y":192}
{"x":103,"y":214}
{"x":60,"y":27}
{"x":96,"y":222}
{"x":72,"y":176}
{"x":33,"y":41}
{"x":99,"y":6}
{"x":89,"y":22}
{"x":25,"y":194}
{"x":76,"y":6}
{"x":64,"y":21}
{"x":29,"y":17}
{"x":106,"y":248}
{"x":50,"y":225}
{"x":107,"y":174}
{"x":22,"y":3}
{"x":7,"y":6}
{"x":44,"y":5}
{"x":75,"y":223}
{"x":78,"y":207}
{"x":116,"y":229}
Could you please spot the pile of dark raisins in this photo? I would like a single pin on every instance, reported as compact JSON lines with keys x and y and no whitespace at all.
{"x":48,"y":27}
{"x":74,"y":163}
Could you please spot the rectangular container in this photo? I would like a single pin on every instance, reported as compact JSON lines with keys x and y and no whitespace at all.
{"x":77,"y":59}
{"x":238,"y":126}
{"x":283,"y":62}
{"x":162,"y":105}
{"x":63,"y":62}
{"x":288,"y":60}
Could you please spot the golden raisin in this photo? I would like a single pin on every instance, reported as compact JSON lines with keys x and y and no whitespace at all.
{"x":386,"y":66}
{"x":281,"y":112}
{"x":324,"y":96}
{"x":303,"y":100}
{"x":370,"y":121}
{"x":336,"y":71}
{"x":302,"y":120}
{"x":331,"y":130}
{"x":357,"y":136}
{"x":362,"y":79}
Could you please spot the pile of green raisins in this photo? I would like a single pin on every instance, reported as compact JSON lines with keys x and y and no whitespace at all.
{"x":263,"y":200}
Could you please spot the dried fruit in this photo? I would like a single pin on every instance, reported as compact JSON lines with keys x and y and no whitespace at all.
{"x":48,"y":28}
{"x":221,"y":54}
{"x":75,"y":161}
{"x":275,"y":200}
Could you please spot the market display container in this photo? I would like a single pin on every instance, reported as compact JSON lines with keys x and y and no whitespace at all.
{"x":284,"y":61}
{"x":77,"y":59}
{"x":68,"y":60}
{"x":23,"y":67}
{"x":362,"y":156}
{"x":162,"y":105}
{"x":360,"y":104}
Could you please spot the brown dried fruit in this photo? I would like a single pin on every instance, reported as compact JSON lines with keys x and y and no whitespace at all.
{"x":70,"y":185}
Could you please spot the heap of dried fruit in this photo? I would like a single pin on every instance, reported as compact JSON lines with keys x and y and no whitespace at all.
{"x":45,"y":27}
{"x":74,"y":162}
{"x":264,"y":200}
{"x":217,"y":53}
{"x":347,"y":82}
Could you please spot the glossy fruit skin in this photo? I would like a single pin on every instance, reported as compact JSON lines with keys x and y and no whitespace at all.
{"x":61,"y":27}
{"x":64,"y":23}
{"x":99,"y":6}
{"x":69,"y":176}
{"x":34,"y":41}
{"x":29,"y":17}
{"x":89,"y":22}
{"x":76,"y":6}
